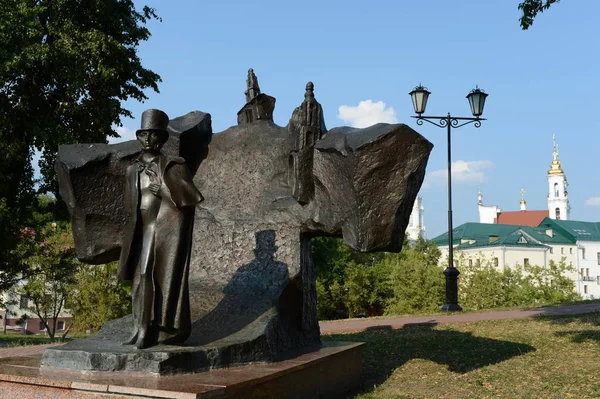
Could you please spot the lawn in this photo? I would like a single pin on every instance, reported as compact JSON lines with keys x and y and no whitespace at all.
{"x":12,"y":339}
{"x":542,"y":357}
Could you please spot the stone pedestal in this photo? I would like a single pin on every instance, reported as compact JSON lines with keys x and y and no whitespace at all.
{"x":329,"y":372}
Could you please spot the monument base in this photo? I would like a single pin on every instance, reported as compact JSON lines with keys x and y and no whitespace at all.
{"x":331,"y":371}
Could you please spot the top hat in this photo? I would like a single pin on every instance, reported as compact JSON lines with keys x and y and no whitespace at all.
{"x":156,"y":120}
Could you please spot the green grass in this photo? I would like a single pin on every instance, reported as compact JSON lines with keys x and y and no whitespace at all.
{"x":542,"y":357}
{"x":11,"y":339}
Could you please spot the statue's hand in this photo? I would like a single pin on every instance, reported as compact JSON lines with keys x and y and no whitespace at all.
{"x":154,"y":186}
{"x":154,"y":189}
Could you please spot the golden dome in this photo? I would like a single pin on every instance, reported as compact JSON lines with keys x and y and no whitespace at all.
{"x":555,"y":167}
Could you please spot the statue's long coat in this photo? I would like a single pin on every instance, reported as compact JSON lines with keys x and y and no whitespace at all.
{"x":172,"y":244}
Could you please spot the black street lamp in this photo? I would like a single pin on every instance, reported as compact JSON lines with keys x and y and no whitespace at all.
{"x":476,"y":99}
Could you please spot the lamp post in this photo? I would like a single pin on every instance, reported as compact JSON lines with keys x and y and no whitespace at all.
{"x":476,"y":99}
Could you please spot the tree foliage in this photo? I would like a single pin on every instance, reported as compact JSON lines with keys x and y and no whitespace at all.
{"x":412,"y":282}
{"x":98,"y":297}
{"x":531,"y":8}
{"x":484,"y":286}
{"x":49,"y":253}
{"x":357,"y":284}
{"x":66,"y":67}
{"x":417,"y":280}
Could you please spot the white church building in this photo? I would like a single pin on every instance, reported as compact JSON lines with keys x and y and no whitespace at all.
{"x":416,"y":224}
{"x":558,"y":201}
{"x":534,"y":237}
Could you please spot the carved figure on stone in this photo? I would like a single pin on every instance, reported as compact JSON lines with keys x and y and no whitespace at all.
{"x":253,"y":90}
{"x":159,"y":197}
{"x":307,"y":125}
{"x":258,"y":106}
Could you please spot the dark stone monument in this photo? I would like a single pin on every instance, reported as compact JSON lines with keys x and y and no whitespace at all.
{"x":267,"y":191}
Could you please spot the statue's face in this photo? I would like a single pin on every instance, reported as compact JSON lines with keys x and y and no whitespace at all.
{"x":150,"y":140}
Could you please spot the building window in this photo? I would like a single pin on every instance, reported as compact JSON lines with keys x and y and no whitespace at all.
{"x":581,"y":272}
{"x":582,"y":253}
{"x":557,"y":213}
{"x":571,"y":251}
{"x":60,"y":325}
{"x":551,"y":250}
{"x":598,"y":257}
{"x":496,"y":262}
{"x":556,"y":189}
{"x":470,"y":262}
{"x":42,"y":326}
{"x":562,"y":251}
{"x":23,"y":302}
{"x":585,"y":289}
{"x":587,"y":272}
{"x":478,"y":262}
{"x":598,"y":280}
{"x":526,"y":261}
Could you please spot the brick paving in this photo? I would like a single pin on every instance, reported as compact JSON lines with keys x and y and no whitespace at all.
{"x":355,"y":325}
{"x":31,"y":350}
{"x":344,"y":326}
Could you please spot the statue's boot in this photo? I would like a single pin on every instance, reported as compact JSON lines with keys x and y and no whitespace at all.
{"x":132,"y":340}
{"x":177,"y":338}
{"x":144,"y":339}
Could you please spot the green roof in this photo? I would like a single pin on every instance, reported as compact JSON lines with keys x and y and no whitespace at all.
{"x":473,"y":235}
{"x":575,"y":230}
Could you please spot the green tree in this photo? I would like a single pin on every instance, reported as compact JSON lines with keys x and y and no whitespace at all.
{"x":66,"y":66}
{"x":366,"y":288}
{"x":549,"y":285}
{"x":481,"y":284}
{"x":338,"y":271}
{"x":10,"y":272}
{"x":416,"y":279}
{"x":531,"y":8}
{"x":49,"y":254}
{"x":98,"y":297}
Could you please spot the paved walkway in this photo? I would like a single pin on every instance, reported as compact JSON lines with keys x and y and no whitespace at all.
{"x":31,"y":350}
{"x":342,"y":326}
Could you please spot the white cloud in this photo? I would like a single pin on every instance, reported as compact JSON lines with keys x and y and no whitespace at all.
{"x":125,"y":133}
{"x":593,"y":201}
{"x":367,"y":113}
{"x":463,"y":172}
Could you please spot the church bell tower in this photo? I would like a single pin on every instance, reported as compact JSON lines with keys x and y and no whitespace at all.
{"x":558,"y":199}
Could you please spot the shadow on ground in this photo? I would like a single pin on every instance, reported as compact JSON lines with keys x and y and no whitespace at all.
{"x":387,"y":349}
{"x":579,"y":335}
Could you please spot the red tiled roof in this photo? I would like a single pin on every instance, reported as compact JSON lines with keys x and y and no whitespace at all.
{"x":522,"y":218}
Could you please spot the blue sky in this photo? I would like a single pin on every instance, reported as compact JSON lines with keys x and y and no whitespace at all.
{"x":364,"y":58}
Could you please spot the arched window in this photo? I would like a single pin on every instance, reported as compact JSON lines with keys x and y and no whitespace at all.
{"x":557,"y":211}
{"x":556,"y":189}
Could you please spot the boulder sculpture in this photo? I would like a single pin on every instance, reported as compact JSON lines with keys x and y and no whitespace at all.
{"x":268,"y":190}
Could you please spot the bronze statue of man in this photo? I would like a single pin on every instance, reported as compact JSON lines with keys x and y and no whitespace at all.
{"x":160,"y":199}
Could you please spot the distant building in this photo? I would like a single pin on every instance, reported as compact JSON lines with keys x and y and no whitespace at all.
{"x":552,"y":240}
{"x":558,"y":201}
{"x":586,"y":237}
{"x":18,"y":306}
{"x":416,"y":224}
